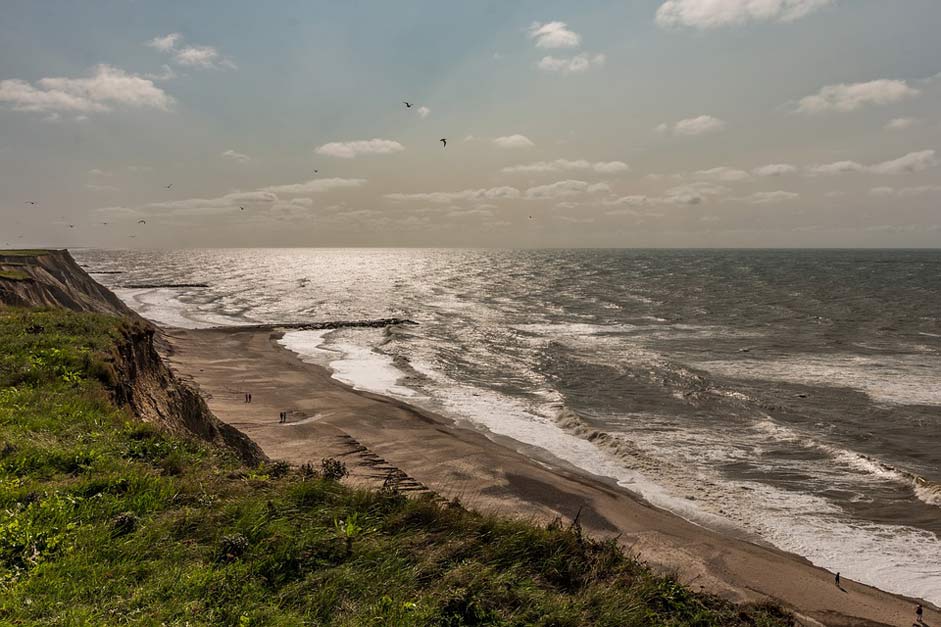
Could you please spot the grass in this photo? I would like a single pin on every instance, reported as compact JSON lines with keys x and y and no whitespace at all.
{"x":14,"y":275}
{"x":35,"y":252}
{"x":107,"y":520}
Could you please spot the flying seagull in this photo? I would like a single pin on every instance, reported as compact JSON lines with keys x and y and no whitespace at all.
{"x":408,"y":105}
{"x":242,"y":208}
{"x":169,"y":186}
{"x":444,"y":141}
{"x":31,"y":202}
{"x":142,"y":221}
{"x":316,"y":171}
{"x":105,"y":223}
{"x":71,"y":226}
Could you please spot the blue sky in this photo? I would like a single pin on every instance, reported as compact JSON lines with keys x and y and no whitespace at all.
{"x":646,"y":123}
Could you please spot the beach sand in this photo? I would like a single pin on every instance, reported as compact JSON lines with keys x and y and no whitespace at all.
{"x":377,"y":436}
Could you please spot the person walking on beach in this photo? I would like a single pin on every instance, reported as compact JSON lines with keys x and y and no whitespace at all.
{"x":919,"y":614}
{"x":837,"y":579}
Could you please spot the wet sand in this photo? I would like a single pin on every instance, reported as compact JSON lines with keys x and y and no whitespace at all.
{"x":379,"y":437}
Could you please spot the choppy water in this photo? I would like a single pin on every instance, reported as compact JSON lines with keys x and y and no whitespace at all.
{"x":794,"y":395}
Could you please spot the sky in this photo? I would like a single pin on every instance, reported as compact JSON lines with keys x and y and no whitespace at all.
{"x":628,"y":123}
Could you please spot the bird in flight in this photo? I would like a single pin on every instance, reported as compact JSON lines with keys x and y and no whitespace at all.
{"x":444,"y":141}
{"x":71,"y":226}
{"x":408,"y":105}
{"x":169,"y":186}
{"x":242,"y":208}
{"x":105,"y":223}
{"x":31,"y":202}
{"x":316,"y":171}
{"x":142,"y":221}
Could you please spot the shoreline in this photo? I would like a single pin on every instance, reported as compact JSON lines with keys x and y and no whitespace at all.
{"x":380,"y":437}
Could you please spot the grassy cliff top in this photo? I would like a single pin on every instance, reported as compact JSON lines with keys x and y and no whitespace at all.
{"x":106,"y":520}
{"x":35,"y":252}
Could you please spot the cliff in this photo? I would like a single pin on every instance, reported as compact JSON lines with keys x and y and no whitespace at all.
{"x":138,"y":377}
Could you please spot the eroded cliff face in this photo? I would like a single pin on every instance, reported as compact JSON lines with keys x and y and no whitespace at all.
{"x":52,"y":278}
{"x":155,"y":394}
{"x":140,"y":379}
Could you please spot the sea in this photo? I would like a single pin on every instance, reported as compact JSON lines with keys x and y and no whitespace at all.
{"x":792,"y":397}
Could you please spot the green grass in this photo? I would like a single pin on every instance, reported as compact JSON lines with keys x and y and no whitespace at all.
{"x":14,"y":275}
{"x":108,"y":521}
{"x":35,"y":252}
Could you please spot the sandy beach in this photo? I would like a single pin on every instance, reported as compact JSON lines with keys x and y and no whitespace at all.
{"x":378,"y":437}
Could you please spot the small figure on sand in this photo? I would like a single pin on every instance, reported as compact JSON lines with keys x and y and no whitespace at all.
{"x":836,"y":579}
{"x":249,"y":397}
{"x":919,"y":614}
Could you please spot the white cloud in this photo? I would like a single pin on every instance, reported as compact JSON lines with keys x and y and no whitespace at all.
{"x":314,"y":186}
{"x":561,"y":165}
{"x":692,"y":193}
{"x":514,"y":141}
{"x":839,"y":167}
{"x":95,"y":187}
{"x":352,"y":149}
{"x":907,"y":164}
{"x":768,"y":198}
{"x":191,"y":55}
{"x":722,"y":173}
{"x":850,"y":97}
{"x":424,"y":111}
{"x":554,"y":35}
{"x":573,"y":65}
{"x":715,"y":13}
{"x":165,"y":43}
{"x":906,"y":192}
{"x":565,"y":189}
{"x":493,"y":193}
{"x":165,"y":74}
{"x":236,"y":156}
{"x":775,"y":169}
{"x":900,"y":124}
{"x":107,"y":87}
{"x":693,"y":126}
{"x":97,"y":172}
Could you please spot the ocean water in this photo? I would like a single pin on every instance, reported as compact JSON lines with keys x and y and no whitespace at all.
{"x":792,"y":397}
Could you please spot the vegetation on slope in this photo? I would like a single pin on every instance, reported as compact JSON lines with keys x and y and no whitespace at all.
{"x":107,"y":520}
{"x":14,"y":275}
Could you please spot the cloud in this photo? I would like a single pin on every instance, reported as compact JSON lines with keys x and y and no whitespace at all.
{"x":693,"y":126}
{"x":850,"y":97}
{"x":165,"y":43}
{"x":314,"y":186}
{"x":352,"y":149}
{"x":514,"y":141}
{"x":106,"y":88}
{"x":900,"y":124}
{"x":775,"y":169}
{"x":716,"y":13}
{"x":554,"y":35}
{"x":561,"y":165}
{"x":573,"y":65}
{"x":97,"y":172}
{"x":906,"y":192}
{"x":907,"y":164}
{"x":722,"y":173}
{"x":166,"y":74}
{"x":692,"y":193}
{"x":493,"y":193}
{"x":565,"y":189}
{"x":190,"y":55}
{"x":236,"y":156}
{"x":424,"y":111}
{"x":769,"y":198}
{"x":95,"y":187}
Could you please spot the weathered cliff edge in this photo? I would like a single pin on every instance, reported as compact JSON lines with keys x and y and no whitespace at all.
{"x":139,"y":379}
